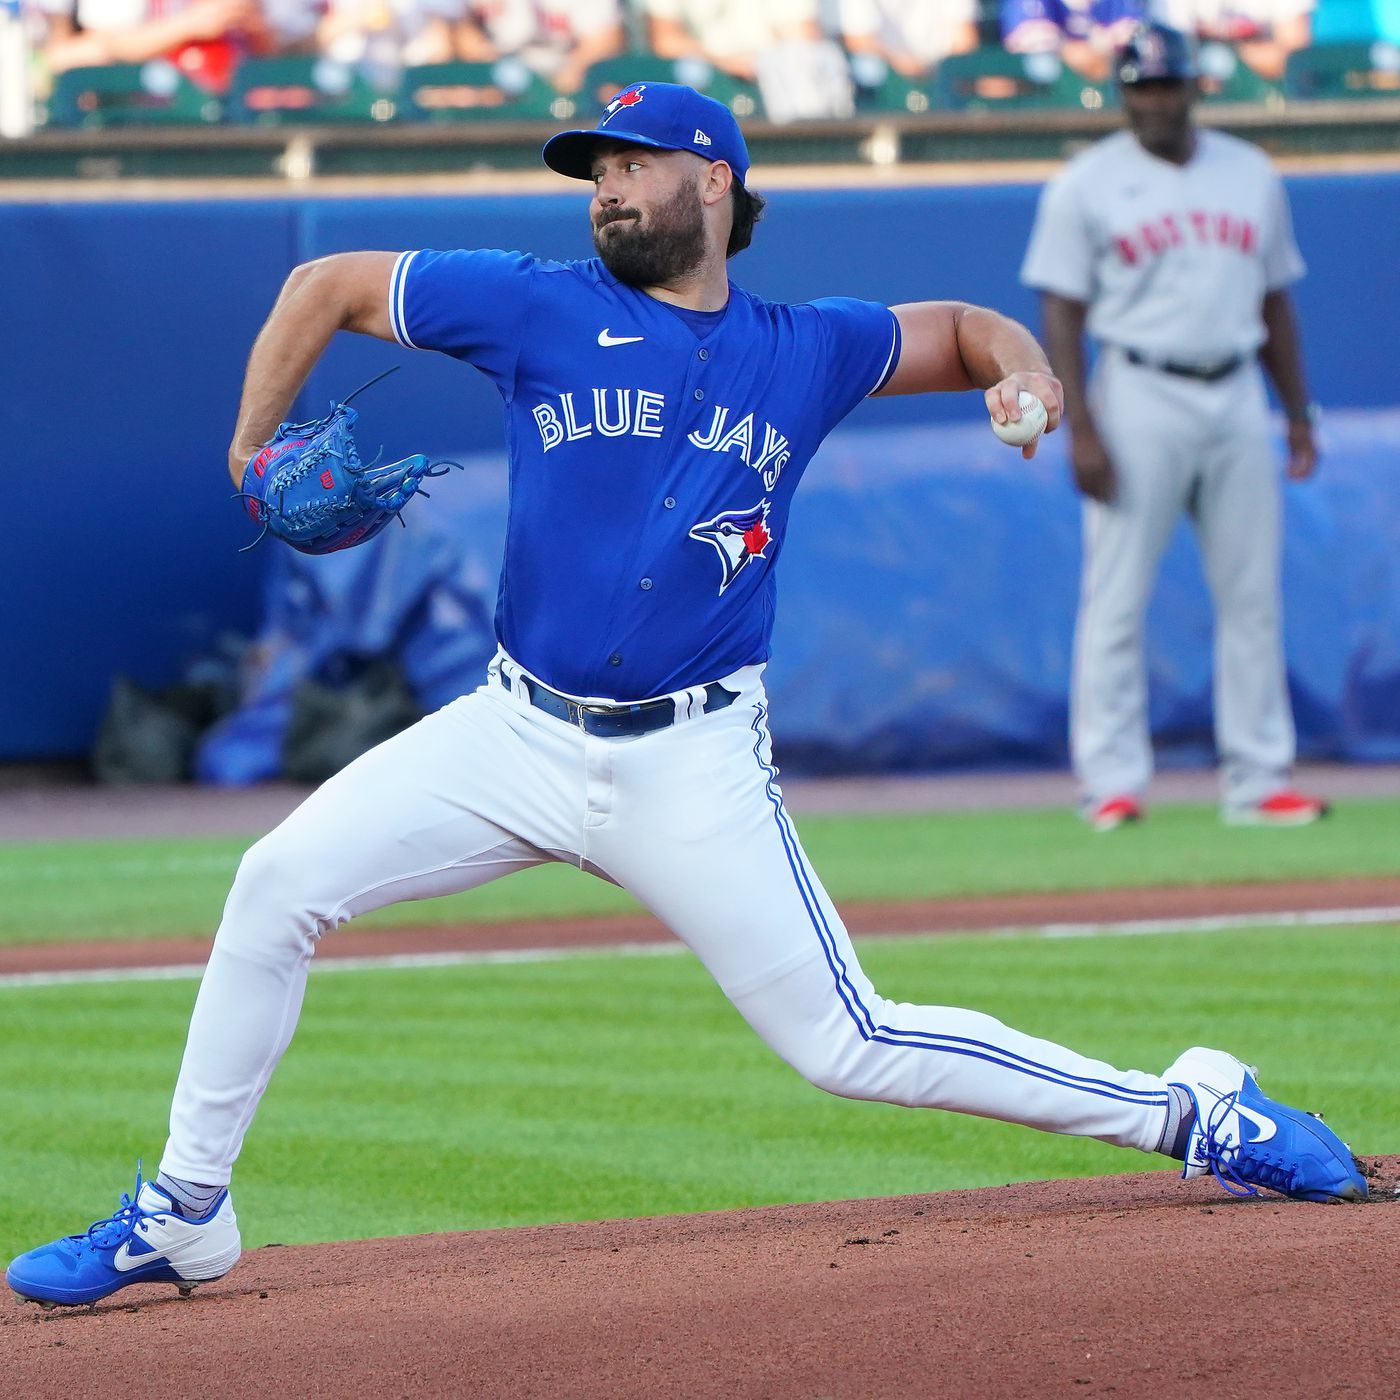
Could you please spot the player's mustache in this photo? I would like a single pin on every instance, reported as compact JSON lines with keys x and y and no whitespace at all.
{"x":611,"y":216}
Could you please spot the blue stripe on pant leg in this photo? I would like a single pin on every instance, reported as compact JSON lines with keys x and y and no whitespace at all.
{"x":865,"y":1022}
{"x":892,"y":1035}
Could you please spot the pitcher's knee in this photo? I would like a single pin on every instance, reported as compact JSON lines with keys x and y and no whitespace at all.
{"x":270,"y":910}
{"x":846,"y":1068}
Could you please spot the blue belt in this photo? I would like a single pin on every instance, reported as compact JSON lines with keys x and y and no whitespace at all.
{"x":612,"y":721}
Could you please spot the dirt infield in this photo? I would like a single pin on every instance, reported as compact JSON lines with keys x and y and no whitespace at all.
{"x":1127,"y":1286}
{"x":34,"y":810}
{"x":1068,"y":908}
{"x":1124,"y":1286}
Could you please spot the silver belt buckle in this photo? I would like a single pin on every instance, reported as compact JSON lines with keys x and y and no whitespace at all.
{"x":592,"y":710}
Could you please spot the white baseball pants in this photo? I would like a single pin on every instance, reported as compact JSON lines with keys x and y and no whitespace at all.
{"x":1181,"y":445}
{"x":690,"y":819}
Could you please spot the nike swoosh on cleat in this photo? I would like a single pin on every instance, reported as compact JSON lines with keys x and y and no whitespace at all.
{"x":606,"y":338}
{"x":126,"y":1259}
{"x":1266,"y":1126}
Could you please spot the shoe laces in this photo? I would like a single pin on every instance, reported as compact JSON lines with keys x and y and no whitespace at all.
{"x":1230,"y":1161}
{"x":121,"y":1224}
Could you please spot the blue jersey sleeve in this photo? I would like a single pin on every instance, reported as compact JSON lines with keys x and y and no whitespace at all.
{"x":469,"y":304}
{"x":861,"y":340}
{"x":1046,"y":14}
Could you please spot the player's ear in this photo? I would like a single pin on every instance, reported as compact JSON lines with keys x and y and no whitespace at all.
{"x":717,"y":182}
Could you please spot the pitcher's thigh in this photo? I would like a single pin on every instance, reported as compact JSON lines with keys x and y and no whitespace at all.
{"x":407,"y":820}
{"x":700,"y":835}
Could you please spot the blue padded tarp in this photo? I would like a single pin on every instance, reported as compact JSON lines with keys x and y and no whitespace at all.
{"x":928,"y":590}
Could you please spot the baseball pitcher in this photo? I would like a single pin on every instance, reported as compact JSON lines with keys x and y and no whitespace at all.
{"x":659,"y":420}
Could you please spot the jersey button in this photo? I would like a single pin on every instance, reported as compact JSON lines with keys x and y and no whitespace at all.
{"x":646,"y":584}
{"x":669,"y":503}
{"x":703,"y":353}
{"x":699,"y":394}
{"x":615,"y":659}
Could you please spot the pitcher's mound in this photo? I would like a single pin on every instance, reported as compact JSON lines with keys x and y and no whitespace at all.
{"x":1132,"y":1286}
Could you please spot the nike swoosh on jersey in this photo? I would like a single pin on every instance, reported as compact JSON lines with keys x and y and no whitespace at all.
{"x":606,"y":338}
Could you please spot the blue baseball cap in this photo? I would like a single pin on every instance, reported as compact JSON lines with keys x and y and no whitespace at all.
{"x":1156,"y":53}
{"x":664,"y":115}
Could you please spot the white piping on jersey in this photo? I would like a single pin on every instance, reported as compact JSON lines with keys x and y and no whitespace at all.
{"x":397,"y":283}
{"x":889,"y":359}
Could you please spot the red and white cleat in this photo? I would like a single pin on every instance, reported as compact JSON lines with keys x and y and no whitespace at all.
{"x":1287,"y":807}
{"x":1114,"y":812}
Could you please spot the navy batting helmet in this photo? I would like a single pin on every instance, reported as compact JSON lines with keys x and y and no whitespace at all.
{"x":1155,"y":53}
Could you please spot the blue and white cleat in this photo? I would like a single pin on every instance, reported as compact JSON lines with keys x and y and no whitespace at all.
{"x":144,"y":1241}
{"x":1248,"y":1140}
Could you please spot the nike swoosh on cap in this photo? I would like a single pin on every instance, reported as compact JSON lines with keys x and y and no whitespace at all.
{"x":606,"y":338}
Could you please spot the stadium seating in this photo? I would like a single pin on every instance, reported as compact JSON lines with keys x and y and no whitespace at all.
{"x":474,"y":92}
{"x":130,"y":94}
{"x":283,"y":90}
{"x":606,"y":78}
{"x":878,"y":88}
{"x":1343,"y":71}
{"x":1226,"y":77}
{"x":286,"y":90}
{"x":990,"y":79}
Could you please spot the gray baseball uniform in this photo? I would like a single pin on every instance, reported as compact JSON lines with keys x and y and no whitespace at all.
{"x":1174,"y":263}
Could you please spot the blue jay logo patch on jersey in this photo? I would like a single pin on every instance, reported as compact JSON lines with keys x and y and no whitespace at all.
{"x":621,"y":102}
{"x":738,"y":536}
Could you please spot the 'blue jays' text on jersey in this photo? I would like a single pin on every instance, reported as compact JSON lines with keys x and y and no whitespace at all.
{"x":651,"y":467}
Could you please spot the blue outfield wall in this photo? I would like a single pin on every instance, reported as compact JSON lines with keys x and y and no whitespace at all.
{"x":928,"y":587}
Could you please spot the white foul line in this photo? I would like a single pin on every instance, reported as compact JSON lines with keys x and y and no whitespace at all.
{"x":176,"y":972}
{"x":1223,"y":923}
{"x":1126,"y":928}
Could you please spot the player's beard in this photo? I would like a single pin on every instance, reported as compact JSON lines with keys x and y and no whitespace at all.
{"x":671,"y":246}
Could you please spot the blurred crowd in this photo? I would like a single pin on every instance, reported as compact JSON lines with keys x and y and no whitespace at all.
{"x":763,"y":42}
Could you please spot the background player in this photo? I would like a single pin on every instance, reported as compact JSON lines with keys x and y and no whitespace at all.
{"x":660,"y":419}
{"x":1174,"y":248}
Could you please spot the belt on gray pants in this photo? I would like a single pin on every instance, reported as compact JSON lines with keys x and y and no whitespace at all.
{"x":613,"y":721}
{"x":1216,"y":369}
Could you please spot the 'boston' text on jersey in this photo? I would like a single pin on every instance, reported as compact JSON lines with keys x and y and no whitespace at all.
{"x":1198,"y":226}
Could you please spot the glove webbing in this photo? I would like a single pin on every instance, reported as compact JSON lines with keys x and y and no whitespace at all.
{"x":309,"y":515}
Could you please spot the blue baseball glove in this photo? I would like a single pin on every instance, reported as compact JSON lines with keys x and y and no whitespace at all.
{"x":308,"y":486}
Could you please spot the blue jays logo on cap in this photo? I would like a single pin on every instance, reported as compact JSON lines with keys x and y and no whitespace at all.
{"x":623,"y":100}
{"x":666,"y":116}
{"x":738,"y":536}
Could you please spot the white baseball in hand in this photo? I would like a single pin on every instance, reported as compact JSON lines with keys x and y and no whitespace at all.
{"x":1029,"y":426}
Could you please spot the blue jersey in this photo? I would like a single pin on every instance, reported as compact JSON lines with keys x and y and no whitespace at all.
{"x":1076,"y":19}
{"x":653,"y":455}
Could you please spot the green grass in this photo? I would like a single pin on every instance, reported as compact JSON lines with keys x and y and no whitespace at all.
{"x":608,"y":1085}
{"x":117,"y":889}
